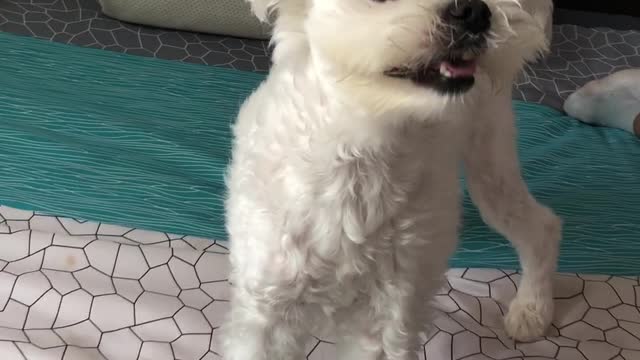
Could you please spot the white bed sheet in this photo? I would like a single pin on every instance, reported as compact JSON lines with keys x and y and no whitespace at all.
{"x":76,"y":290}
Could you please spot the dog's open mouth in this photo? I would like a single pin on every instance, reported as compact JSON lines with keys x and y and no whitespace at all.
{"x":451,"y":74}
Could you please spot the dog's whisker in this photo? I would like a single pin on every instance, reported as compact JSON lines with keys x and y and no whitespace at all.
{"x":453,"y":40}
{"x":426,"y":9}
{"x":507,"y":24}
{"x":344,"y":77}
{"x":397,"y":46}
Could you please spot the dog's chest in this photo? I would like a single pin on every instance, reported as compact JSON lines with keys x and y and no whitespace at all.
{"x":374,"y":210}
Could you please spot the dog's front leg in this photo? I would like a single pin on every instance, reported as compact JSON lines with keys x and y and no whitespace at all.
{"x":261,"y":330}
{"x":497,"y":188}
{"x":384,"y":327}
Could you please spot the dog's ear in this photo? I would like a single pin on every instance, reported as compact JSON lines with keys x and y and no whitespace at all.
{"x":542,"y":12}
{"x":287,"y":20}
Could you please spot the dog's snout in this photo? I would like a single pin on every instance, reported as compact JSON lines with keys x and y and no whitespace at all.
{"x":473,"y":16}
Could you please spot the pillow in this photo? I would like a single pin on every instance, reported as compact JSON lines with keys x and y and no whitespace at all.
{"x":224,"y":17}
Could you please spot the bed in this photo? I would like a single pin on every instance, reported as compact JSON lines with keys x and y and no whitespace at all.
{"x":112,"y":242}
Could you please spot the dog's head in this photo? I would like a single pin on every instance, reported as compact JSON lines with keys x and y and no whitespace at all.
{"x":390,"y":53}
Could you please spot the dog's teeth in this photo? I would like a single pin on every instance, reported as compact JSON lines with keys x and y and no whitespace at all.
{"x":444,"y":71}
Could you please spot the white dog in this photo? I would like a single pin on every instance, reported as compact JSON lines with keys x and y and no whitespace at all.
{"x":344,"y":193}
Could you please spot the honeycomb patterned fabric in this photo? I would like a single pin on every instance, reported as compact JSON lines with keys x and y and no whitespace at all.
{"x":77,"y":290}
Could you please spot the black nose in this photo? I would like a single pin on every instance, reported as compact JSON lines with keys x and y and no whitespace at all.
{"x":473,"y":15}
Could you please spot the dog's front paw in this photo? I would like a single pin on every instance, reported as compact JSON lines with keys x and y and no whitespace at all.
{"x":528,"y":319}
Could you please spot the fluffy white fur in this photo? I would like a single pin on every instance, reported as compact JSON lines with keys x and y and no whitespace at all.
{"x":344,"y":205}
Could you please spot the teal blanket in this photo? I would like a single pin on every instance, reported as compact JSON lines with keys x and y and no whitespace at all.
{"x":144,"y":143}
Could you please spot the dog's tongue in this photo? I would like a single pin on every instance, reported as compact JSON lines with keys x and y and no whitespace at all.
{"x":460,"y":68}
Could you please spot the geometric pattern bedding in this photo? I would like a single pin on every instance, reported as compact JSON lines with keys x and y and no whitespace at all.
{"x":77,"y":290}
{"x":578,"y":54}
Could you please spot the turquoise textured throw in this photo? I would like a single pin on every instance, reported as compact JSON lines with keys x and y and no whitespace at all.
{"x":145,"y":142}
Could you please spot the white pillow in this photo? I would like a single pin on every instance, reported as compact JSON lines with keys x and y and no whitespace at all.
{"x":224,"y":17}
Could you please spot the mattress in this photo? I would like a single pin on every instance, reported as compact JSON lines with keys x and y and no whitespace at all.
{"x":102,"y":269}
